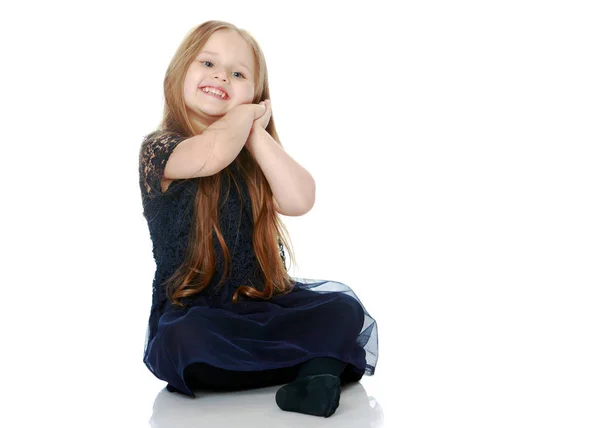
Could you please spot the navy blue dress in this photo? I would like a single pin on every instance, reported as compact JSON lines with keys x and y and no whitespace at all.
{"x":319,"y":318}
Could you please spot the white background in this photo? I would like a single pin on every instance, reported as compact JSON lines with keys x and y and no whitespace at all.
{"x":455,"y":150}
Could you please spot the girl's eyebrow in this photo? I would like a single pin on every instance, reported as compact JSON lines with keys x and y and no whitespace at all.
{"x":216,"y":54}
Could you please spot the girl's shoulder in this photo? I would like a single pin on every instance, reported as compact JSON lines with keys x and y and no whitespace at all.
{"x":161,"y":134}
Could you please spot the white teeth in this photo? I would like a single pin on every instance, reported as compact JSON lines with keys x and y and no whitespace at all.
{"x":214,"y":91}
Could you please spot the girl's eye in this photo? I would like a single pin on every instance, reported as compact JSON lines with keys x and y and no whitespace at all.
{"x":241,"y":75}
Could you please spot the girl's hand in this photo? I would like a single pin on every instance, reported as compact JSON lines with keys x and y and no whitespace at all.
{"x":263,"y":120}
{"x":260,"y":122}
{"x":258,"y":110}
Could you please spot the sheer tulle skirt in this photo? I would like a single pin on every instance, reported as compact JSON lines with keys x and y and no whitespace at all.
{"x":318,"y":318}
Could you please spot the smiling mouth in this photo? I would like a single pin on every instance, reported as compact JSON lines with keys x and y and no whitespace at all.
{"x":217,"y":94}
{"x":214,"y":96}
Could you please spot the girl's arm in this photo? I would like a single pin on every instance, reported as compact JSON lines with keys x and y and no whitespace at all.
{"x":208,"y":153}
{"x":293,"y":186}
{"x":234,"y":128}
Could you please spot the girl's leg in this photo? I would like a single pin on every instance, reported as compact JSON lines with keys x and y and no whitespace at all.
{"x":321,"y":365}
{"x":206,"y":376}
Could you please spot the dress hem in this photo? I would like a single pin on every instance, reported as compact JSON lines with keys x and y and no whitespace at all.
{"x":188,"y":391}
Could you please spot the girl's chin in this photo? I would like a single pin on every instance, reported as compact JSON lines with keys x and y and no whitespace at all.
{"x":212,"y":111}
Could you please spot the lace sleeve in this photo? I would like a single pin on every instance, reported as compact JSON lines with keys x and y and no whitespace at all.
{"x":154,"y":153}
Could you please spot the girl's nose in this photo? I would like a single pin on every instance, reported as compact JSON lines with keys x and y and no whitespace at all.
{"x":221,"y":75}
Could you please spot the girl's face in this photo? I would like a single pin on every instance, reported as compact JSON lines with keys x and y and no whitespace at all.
{"x":225,"y":62}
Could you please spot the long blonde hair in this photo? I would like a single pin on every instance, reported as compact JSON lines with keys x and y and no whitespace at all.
{"x":269,"y":234}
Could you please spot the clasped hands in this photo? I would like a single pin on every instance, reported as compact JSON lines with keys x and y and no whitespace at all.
{"x":262,"y":116}
{"x":264,"y":119}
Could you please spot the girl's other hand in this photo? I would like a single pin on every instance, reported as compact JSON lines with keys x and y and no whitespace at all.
{"x":258,"y":110}
{"x":264,"y":119}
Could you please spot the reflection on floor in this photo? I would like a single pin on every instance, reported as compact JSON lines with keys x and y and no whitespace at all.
{"x":257,"y":408}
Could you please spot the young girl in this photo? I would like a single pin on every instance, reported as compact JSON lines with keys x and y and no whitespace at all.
{"x":214,"y":178}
